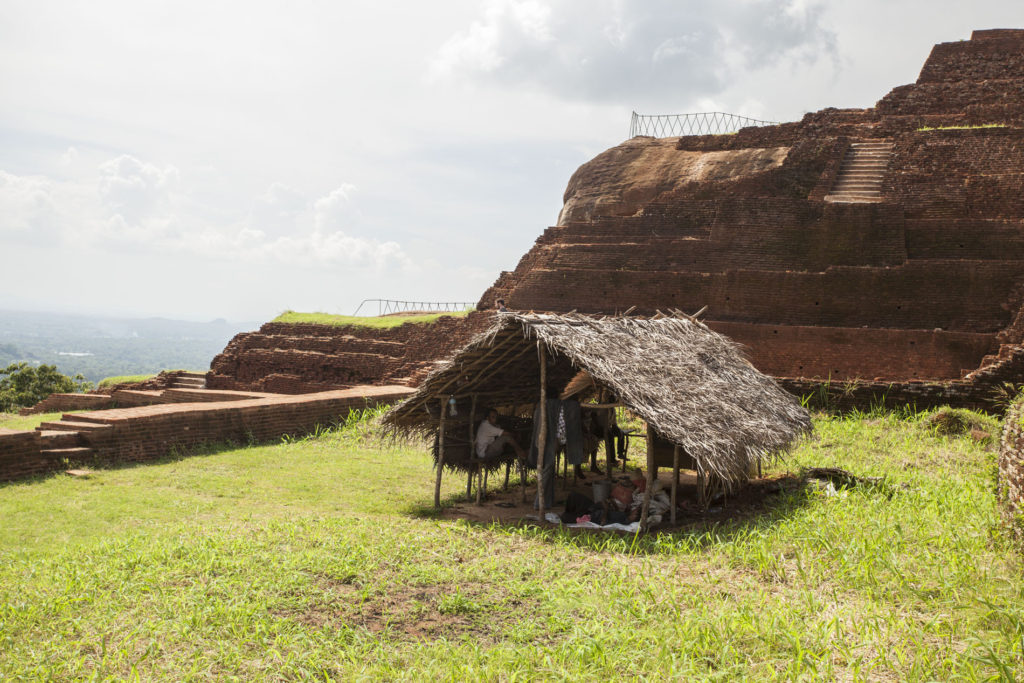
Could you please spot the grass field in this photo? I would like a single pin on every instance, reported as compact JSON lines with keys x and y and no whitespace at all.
{"x":14,"y":421}
{"x":378,"y":322}
{"x":319,"y":559}
{"x":122,"y":379}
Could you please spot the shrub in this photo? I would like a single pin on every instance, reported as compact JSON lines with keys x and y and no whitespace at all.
{"x":24,"y":385}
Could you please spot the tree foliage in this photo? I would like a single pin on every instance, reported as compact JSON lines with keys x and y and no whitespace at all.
{"x":23,"y":385}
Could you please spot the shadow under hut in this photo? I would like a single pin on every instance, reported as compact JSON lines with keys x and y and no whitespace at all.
{"x":705,"y":406}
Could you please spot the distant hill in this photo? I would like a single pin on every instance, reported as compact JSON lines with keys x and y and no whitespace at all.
{"x":99,"y":347}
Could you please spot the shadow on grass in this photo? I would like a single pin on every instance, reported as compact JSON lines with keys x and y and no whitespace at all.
{"x":764,"y":504}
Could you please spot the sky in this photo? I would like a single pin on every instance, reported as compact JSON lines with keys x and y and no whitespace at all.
{"x":201,"y":160}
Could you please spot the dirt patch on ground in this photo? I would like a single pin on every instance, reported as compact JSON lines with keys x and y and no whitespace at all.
{"x":415,"y":612}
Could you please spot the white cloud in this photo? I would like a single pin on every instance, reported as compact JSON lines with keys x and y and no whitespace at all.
{"x":27,"y":205}
{"x":137,"y":206}
{"x":613,"y":51}
{"x":136,"y":190}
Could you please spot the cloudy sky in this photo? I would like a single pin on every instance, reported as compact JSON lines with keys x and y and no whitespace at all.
{"x":212,"y":159}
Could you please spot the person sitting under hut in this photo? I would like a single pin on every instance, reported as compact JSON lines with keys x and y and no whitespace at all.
{"x":492,"y":439}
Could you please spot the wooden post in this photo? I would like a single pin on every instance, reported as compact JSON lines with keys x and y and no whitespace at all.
{"x":565,"y":469}
{"x":675,"y":481}
{"x":609,"y":444}
{"x":700,"y":487}
{"x":440,"y":453}
{"x":542,"y":432}
{"x":508,"y":470}
{"x":472,"y":444}
{"x":650,"y":478}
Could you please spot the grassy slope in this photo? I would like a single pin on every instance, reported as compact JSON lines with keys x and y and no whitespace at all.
{"x":122,"y":379}
{"x":314,"y":559}
{"x":12,"y":421}
{"x":361,"y":321}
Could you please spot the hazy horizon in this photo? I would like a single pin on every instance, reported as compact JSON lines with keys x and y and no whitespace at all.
{"x":197,"y":161}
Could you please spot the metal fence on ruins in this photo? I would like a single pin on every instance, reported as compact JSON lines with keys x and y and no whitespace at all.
{"x":389,"y":306}
{"x":703,"y":123}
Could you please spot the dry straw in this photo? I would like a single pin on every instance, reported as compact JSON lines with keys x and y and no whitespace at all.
{"x":691,"y":384}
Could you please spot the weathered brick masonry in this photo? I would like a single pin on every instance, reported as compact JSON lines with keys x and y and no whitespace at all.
{"x":914,"y":294}
{"x":147,"y":432}
{"x":292,"y":359}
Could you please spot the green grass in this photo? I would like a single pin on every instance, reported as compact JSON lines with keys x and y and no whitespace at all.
{"x":315,"y":559}
{"x":27,"y":422}
{"x":379,"y":322}
{"x":122,"y":379}
{"x":926,"y":129}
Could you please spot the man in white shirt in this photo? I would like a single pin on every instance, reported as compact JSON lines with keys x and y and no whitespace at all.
{"x":492,"y":439}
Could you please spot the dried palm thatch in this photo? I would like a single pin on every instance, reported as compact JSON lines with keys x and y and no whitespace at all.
{"x":692,"y":385}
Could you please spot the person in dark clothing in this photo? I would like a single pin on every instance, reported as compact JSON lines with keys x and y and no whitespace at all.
{"x":563,"y":428}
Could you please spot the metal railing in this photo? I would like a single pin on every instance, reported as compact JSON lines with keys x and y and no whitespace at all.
{"x":702,"y":123}
{"x":389,"y":306}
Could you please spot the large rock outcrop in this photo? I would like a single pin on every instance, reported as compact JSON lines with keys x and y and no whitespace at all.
{"x":919,"y":277}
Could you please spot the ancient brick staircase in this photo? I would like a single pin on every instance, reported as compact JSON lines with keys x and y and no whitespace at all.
{"x":861,"y":174}
{"x":189,"y":380}
{"x":63,"y":440}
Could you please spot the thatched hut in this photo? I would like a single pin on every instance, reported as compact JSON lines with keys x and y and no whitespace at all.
{"x":702,"y":400}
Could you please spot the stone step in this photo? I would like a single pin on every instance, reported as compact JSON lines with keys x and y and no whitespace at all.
{"x":70,"y":426}
{"x":859,"y":181}
{"x":60,"y":439}
{"x":193,"y":375}
{"x":93,"y":418}
{"x":856,"y":186}
{"x":852,"y":200}
{"x":77,"y":453}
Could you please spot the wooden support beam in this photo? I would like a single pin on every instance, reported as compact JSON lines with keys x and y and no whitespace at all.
{"x":472,"y":447}
{"x":542,"y":432}
{"x":596,"y":406}
{"x":505,"y":342}
{"x":440,"y":453}
{"x":701,"y":484}
{"x":481,"y":377}
{"x":650,"y":479}
{"x":675,"y":481}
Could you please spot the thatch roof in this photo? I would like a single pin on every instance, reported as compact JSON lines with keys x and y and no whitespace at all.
{"x":691,"y":384}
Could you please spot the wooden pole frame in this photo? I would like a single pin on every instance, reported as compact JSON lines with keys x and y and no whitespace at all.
{"x":542,"y":432}
{"x":440,"y":453}
{"x":675,"y":482}
{"x":650,"y":478}
{"x":472,"y":447}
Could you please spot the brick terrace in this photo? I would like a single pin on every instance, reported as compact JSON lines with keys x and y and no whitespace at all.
{"x":147,"y":432}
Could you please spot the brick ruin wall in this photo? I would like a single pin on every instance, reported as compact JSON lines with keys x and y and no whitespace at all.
{"x":103,"y":398}
{"x":145,"y":433}
{"x":1010,"y":494}
{"x":917,"y":295}
{"x":300,"y":358}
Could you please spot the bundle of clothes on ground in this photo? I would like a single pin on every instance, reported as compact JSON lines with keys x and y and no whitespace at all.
{"x":621,"y":509}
